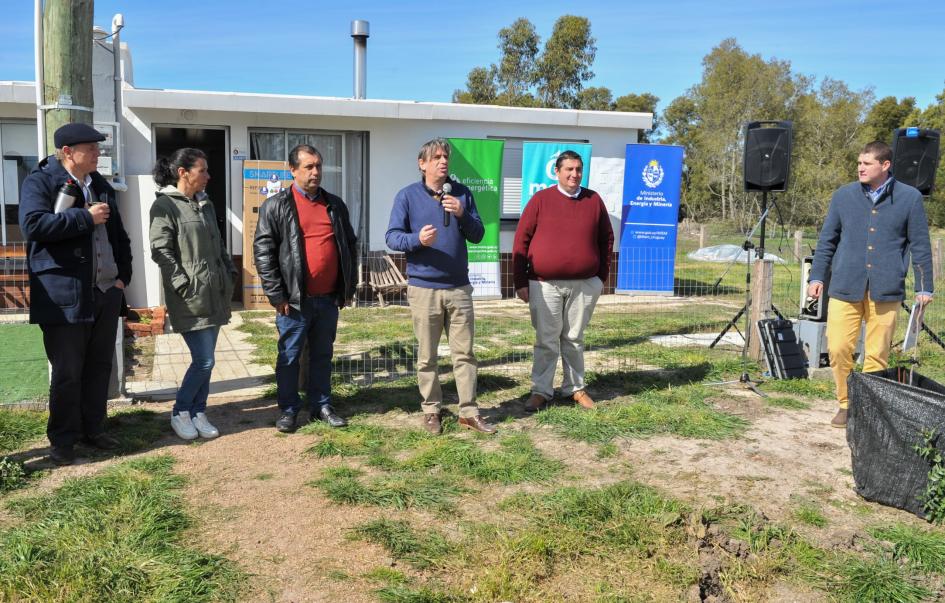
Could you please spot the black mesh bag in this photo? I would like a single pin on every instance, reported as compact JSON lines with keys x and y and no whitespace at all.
{"x":886,"y":419}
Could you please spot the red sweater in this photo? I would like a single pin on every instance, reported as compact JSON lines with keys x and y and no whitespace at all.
{"x":321,"y":254}
{"x":562,"y":238}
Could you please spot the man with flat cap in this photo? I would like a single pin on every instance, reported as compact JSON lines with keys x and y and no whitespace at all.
{"x":79,"y":259}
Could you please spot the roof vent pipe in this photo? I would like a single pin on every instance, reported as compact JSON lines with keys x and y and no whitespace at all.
{"x":360,"y":31}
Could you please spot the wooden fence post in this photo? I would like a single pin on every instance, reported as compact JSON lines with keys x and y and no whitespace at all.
{"x":762,"y":280}
{"x":798,"y":244}
{"x":701,"y":236}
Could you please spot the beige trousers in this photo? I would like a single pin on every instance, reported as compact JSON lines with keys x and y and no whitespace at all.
{"x":433,"y":311}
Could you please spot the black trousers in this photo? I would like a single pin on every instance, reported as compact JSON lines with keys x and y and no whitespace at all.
{"x":81,"y":359}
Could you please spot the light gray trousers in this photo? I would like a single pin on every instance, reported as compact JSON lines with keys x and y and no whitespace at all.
{"x":560,"y":311}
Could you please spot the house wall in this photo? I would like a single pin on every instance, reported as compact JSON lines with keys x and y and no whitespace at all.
{"x":394,"y":138}
{"x":392,"y":149}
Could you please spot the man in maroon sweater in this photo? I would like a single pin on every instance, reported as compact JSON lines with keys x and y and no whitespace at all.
{"x":560,"y":262}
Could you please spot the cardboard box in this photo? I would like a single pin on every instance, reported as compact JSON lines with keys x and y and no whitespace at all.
{"x":261,"y":180}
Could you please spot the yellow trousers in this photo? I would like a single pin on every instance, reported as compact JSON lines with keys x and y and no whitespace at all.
{"x":843,"y":331}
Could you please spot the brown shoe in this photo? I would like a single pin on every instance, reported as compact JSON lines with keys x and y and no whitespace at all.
{"x":431,"y":422}
{"x":840,"y":419}
{"x":583,"y":399}
{"x":535,"y":403}
{"x":477,"y":424}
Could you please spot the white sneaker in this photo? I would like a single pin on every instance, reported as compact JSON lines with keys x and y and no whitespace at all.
{"x":183,"y":426}
{"x":204,"y":428}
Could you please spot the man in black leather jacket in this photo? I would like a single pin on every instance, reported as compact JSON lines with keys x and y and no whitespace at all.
{"x":306,"y":257}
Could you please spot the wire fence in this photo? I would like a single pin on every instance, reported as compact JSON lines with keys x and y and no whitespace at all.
{"x":627,"y":333}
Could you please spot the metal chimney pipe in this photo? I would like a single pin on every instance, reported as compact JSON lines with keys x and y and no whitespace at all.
{"x":360,"y":31}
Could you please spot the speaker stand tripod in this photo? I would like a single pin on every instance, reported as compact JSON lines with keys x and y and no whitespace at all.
{"x":745,"y":379}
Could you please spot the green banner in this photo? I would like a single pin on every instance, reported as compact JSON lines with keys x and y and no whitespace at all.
{"x":478,"y":165}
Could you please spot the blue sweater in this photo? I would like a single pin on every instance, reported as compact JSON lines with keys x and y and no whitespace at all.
{"x":445,"y":264}
{"x":867,"y":246}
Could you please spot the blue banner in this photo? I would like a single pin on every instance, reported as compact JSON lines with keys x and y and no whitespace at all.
{"x":538,"y":165}
{"x":651,"y":182}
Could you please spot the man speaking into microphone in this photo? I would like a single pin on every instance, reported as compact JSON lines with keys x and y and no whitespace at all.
{"x":430,"y":222}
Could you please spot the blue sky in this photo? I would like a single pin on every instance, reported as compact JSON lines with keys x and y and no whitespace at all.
{"x":423,"y":50}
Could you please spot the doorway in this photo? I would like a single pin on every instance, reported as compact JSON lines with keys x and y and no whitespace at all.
{"x":212,"y":141}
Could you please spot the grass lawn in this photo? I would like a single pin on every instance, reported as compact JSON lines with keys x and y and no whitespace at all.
{"x":23,"y":370}
{"x":114,"y":536}
{"x":554,"y":508}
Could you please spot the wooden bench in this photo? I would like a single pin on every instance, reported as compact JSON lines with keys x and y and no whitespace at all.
{"x":384,"y":276}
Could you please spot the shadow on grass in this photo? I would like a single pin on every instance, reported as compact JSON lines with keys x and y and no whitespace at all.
{"x":602,"y":387}
{"x":382,"y":363}
{"x":685,"y":287}
{"x":622,"y":383}
{"x":136,"y":429}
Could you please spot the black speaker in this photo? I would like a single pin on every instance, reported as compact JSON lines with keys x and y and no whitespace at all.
{"x":915,"y":157}
{"x":783,"y":354}
{"x":767,"y":155}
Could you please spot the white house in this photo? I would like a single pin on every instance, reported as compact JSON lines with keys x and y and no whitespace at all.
{"x":369,"y":148}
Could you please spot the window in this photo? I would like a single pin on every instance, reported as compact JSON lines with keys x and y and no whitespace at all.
{"x":274,"y":145}
{"x":18,"y":150}
{"x":344,"y":164}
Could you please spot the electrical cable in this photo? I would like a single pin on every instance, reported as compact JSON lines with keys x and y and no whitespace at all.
{"x":105,"y":37}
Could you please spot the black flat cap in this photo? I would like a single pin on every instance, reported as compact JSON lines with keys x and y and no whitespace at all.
{"x":73,"y":134}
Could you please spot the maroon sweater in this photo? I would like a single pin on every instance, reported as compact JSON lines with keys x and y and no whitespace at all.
{"x":562,"y":238}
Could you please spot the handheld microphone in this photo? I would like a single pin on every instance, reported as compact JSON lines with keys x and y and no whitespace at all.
{"x":447,"y":189}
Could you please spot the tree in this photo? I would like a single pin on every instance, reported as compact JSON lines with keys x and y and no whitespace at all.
{"x":831,"y":123}
{"x":640,"y":103}
{"x":887,"y":115}
{"x":525,"y":78}
{"x":566,"y":62}
{"x":681,"y":118}
{"x":480,"y":88}
{"x":736,"y":87}
{"x":595,"y":98}
{"x":828,"y":135}
{"x":516,"y":71}
{"x":554,"y":78}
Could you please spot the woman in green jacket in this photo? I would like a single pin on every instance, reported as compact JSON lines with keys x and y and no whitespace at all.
{"x":198,"y":276}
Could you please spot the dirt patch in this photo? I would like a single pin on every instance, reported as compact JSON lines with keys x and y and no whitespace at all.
{"x":784,"y":457}
{"x":249,"y":492}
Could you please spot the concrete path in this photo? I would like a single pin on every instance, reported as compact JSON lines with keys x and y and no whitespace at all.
{"x":233,"y":375}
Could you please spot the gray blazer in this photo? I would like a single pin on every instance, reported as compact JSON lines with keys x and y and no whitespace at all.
{"x":867,"y":246}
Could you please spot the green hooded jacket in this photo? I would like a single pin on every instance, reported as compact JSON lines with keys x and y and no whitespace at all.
{"x":196,"y":269}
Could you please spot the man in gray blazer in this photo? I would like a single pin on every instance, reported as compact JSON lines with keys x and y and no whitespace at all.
{"x":871,"y":228}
